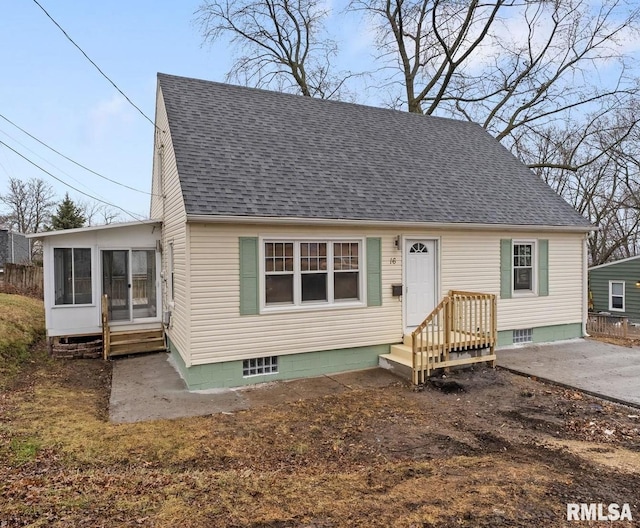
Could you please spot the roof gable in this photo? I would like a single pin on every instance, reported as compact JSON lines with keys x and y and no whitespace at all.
{"x":248,"y":152}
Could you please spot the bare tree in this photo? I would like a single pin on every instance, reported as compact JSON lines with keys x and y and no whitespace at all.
{"x":97,"y":213}
{"x":28,"y":204}
{"x":595,"y":166}
{"x":504,"y":64}
{"x":281,"y":44}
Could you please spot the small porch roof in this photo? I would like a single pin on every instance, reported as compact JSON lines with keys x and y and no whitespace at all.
{"x":47,"y":234}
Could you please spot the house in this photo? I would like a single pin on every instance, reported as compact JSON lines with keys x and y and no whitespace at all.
{"x":14,"y":248}
{"x":615,"y":288}
{"x":302,"y":236}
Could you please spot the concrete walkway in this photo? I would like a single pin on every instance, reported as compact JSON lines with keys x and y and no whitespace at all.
{"x":149,"y":388}
{"x":607,"y":371}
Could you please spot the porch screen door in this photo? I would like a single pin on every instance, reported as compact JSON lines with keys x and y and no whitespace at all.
{"x":143,"y":284}
{"x":115,"y":283}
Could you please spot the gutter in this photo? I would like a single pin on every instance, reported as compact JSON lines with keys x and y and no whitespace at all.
{"x":260,"y":220}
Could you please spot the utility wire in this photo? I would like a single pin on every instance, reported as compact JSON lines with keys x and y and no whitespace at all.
{"x":94,"y":64}
{"x":73,"y":161}
{"x":132,"y":215}
{"x":43,"y":159}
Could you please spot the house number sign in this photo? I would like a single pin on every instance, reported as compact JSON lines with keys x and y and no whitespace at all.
{"x":393,"y":260}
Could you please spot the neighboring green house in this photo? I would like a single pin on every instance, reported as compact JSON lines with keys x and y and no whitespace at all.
{"x":615,"y":288}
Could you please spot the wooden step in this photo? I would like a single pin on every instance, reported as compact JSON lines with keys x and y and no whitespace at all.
{"x":404,"y":352}
{"x":130,"y":342}
{"x":120,"y":336}
{"x":137,"y":348}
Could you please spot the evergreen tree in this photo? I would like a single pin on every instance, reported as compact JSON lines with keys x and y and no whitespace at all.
{"x":68,"y":215}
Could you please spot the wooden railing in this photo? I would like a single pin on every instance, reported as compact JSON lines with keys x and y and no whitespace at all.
{"x":106,"y":332}
{"x":603,"y":324}
{"x":462,"y":321}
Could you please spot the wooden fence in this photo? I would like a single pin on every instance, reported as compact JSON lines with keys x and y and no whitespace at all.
{"x":607,"y":325}
{"x":24,"y":277}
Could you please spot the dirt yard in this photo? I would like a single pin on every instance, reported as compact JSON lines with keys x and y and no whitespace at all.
{"x":505,"y":451}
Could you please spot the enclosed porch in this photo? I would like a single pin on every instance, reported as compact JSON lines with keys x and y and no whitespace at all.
{"x":104,"y":277}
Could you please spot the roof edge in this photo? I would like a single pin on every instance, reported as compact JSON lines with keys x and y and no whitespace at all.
{"x":229,"y":219}
{"x":606,"y":264}
{"x":44,"y":234}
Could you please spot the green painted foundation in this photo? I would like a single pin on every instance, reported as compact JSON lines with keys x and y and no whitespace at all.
{"x":545,"y":334}
{"x":290,"y":366}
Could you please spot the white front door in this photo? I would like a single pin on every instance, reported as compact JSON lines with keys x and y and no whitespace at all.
{"x":420,"y":274}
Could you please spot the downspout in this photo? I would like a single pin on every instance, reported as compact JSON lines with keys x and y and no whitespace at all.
{"x":585,"y":285}
{"x":165,"y":297}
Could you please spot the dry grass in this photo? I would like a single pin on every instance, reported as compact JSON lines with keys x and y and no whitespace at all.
{"x":21,"y":324}
{"x":509,"y":452}
{"x":384,"y":457}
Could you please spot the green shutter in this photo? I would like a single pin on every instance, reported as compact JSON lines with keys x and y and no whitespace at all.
{"x":374,"y":272}
{"x":506,"y":268}
{"x":249,"y":304}
{"x":543,"y":267}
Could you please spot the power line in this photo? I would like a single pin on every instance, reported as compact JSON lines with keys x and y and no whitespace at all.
{"x":94,"y":64}
{"x":43,"y":159}
{"x":132,"y":215}
{"x":73,"y":161}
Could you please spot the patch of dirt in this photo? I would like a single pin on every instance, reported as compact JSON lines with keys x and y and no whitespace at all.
{"x":504,"y":451}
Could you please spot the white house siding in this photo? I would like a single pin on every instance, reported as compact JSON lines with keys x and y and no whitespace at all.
{"x":86,"y":319}
{"x":220,"y":333}
{"x":170,"y":208}
{"x":469,"y":260}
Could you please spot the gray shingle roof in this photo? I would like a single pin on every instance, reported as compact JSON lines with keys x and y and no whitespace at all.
{"x":248,"y":152}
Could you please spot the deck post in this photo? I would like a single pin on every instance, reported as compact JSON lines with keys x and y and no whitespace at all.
{"x":106,"y":333}
{"x":494,"y":327}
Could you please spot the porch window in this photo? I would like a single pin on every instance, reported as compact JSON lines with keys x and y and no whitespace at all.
{"x":72,"y":276}
{"x":523,"y":266}
{"x":310,"y":272}
{"x":616,"y":296}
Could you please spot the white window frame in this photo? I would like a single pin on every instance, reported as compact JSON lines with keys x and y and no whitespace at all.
{"x":73,"y":277}
{"x":534,"y":268}
{"x":624,"y":294}
{"x":330,"y":303}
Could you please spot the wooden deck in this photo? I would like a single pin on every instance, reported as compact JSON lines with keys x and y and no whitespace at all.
{"x":461,"y":330}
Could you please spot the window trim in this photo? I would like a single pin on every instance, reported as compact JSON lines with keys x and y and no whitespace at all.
{"x":624,"y":295}
{"x":534,"y":268}
{"x":298,"y":305}
{"x":55,"y":305}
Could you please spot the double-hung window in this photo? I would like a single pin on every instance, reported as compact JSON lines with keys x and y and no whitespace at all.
{"x":312,"y":272}
{"x":72,"y":275}
{"x":616,"y":296}
{"x":523,"y":266}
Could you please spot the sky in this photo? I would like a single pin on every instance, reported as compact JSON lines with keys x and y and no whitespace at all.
{"x":48,"y":88}
{"x":52,"y":91}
